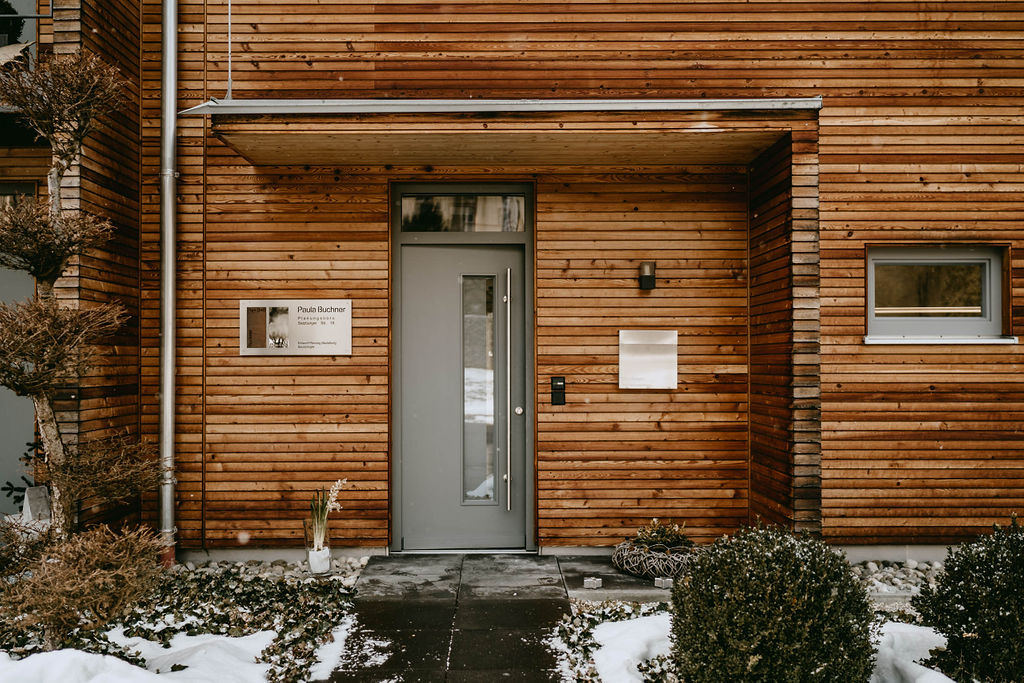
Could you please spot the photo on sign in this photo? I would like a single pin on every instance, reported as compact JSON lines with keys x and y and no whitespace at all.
{"x":295,"y":327}
{"x":256,"y":327}
{"x":277,"y":330}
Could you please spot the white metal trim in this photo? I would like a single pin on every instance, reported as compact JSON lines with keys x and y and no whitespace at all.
{"x":443,"y":106}
{"x":876,"y":339}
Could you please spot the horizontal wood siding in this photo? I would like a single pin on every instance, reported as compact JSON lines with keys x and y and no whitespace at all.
{"x":785,"y":391}
{"x":771,"y":336}
{"x":105,"y":183}
{"x":611,"y":459}
{"x":275,"y":429}
{"x":920,"y":141}
{"x":25,"y":165}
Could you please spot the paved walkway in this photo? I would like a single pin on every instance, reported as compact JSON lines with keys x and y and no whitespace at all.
{"x":469,"y":617}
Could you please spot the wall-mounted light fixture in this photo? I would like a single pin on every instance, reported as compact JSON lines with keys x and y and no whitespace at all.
{"x":647,"y":275}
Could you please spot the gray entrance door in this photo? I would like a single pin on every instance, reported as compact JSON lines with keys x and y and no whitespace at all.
{"x":461,"y":433}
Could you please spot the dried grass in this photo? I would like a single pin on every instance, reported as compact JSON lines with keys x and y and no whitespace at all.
{"x":84,"y":583}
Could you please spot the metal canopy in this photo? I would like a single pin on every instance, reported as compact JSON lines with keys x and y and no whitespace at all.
{"x":444,"y":106}
{"x":520,"y":133}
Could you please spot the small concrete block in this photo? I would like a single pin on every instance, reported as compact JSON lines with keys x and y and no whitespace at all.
{"x":36,"y":506}
{"x":591,"y":582}
{"x":662,"y":582}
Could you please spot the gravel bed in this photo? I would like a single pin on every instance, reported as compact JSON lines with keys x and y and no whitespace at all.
{"x":903,"y":578}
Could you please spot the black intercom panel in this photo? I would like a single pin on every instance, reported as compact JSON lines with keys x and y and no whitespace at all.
{"x":558,"y":391}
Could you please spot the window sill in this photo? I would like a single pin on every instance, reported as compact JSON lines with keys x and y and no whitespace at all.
{"x":939,"y":340}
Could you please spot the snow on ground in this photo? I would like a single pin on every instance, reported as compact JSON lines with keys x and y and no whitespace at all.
{"x":328,"y":657}
{"x":624,"y":644}
{"x":208,"y":658}
{"x":900,"y":646}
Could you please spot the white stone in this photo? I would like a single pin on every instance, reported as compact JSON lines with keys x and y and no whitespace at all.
{"x":591,"y":582}
{"x":36,"y":505}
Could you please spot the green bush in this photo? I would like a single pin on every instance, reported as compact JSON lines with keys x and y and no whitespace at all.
{"x":765,"y":606}
{"x":978,"y":604}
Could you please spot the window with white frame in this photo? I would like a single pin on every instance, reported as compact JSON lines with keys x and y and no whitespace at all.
{"x":950,"y":293}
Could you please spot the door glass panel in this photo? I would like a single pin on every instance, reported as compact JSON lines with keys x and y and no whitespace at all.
{"x":929,"y":290}
{"x":463,"y":213}
{"x":478,"y":447}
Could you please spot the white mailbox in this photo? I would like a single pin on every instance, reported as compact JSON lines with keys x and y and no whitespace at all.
{"x":648,"y":359}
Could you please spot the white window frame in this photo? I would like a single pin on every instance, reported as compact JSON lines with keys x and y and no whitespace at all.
{"x":987,"y":329}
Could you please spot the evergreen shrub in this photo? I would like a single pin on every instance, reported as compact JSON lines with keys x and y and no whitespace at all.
{"x":765,"y":605}
{"x":978,"y":605}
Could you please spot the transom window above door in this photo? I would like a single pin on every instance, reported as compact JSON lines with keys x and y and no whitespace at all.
{"x":463,"y":213}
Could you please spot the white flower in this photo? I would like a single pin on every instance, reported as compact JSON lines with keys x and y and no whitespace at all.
{"x":332,"y":498}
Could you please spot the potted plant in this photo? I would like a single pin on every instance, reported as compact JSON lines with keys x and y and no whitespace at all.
{"x":318,"y":549}
{"x":657,"y":550}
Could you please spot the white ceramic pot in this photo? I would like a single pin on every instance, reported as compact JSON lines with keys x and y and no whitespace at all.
{"x":319,"y":560}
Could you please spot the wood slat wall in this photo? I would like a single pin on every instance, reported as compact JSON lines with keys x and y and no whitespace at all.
{"x":771,"y":335}
{"x":611,"y":459}
{"x":785,"y":394}
{"x":276,"y":428}
{"x":920,"y":141}
{"x":105,"y":183}
{"x":25,"y":165}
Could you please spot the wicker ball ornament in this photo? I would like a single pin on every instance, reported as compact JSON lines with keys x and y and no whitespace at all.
{"x":650,"y":562}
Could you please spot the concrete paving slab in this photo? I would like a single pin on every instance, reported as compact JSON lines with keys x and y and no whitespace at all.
{"x":422,"y":577}
{"x":400,"y":615}
{"x":615,"y":585}
{"x":397,"y":651}
{"x":510,"y":577}
{"x":528,"y":676}
{"x":455,"y":617}
{"x":501,"y":650}
{"x":521,"y":614}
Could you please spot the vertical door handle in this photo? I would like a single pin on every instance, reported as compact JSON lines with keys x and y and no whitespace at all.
{"x":508,"y":389}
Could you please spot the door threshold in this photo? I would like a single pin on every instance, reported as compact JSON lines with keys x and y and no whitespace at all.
{"x":467,"y":551}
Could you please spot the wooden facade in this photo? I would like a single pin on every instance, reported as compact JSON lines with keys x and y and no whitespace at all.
{"x":783,"y":412}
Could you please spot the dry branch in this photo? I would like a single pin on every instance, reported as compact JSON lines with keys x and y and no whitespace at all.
{"x":62,"y":97}
{"x":113,"y":469}
{"x":31,"y":242}
{"x":43,"y":344}
{"x":84,"y":583}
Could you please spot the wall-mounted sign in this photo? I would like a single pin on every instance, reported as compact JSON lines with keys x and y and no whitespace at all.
{"x":295,"y":327}
{"x":648,"y":359}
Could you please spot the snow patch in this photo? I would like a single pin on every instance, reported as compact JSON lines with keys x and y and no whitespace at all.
{"x":624,"y":644}
{"x":900,"y":647}
{"x":209,"y":658}
{"x":328,"y":656}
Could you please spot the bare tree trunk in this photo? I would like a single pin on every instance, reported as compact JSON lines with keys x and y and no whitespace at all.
{"x":53,"y":180}
{"x":56,"y":454}
{"x":49,"y":428}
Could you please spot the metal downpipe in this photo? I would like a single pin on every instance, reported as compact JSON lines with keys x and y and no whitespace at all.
{"x":168,"y":274}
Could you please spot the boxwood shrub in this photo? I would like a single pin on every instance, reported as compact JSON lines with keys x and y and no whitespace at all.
{"x":765,"y":605}
{"x":978,"y":604}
